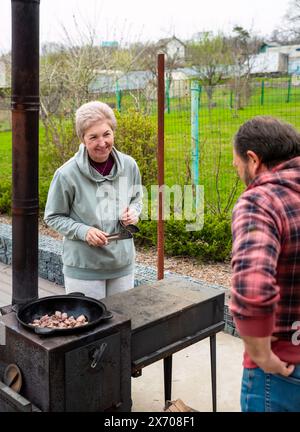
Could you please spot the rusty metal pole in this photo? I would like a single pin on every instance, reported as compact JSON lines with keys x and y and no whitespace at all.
{"x":161,"y":182}
{"x":25,"y":139}
{"x":160,"y":160}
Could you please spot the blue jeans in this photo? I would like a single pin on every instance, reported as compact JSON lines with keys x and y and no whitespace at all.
{"x":263,"y":392}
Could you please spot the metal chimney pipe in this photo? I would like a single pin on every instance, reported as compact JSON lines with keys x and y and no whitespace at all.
{"x":25,"y":139}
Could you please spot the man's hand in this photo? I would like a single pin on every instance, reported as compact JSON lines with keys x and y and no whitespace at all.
{"x":95,"y":237}
{"x":259,"y":350}
{"x":129,"y":217}
{"x":274,"y":365}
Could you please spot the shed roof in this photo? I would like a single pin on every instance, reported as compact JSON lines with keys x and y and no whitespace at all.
{"x":130,"y":81}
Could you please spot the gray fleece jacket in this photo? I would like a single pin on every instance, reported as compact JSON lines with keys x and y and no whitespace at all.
{"x":79,"y":198}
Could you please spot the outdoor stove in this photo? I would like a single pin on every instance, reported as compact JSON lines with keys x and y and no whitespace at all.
{"x":89,"y":371}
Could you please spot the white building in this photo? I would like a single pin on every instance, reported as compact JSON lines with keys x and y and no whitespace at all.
{"x":2,"y":75}
{"x":172,"y":47}
{"x":291,"y":50}
{"x":181,"y":82}
{"x":293,"y":53}
{"x":270,"y":62}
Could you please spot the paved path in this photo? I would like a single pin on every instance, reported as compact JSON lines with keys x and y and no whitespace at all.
{"x":46,"y":288}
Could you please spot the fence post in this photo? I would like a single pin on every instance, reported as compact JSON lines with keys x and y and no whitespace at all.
{"x":160,"y":162}
{"x":231,"y":100}
{"x":168,"y":83}
{"x":262,"y":96}
{"x":118,"y":96}
{"x":195,"y":104}
{"x":288,"y":99}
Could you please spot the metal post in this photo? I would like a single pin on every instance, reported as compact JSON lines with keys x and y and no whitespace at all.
{"x":288,"y":100}
{"x":160,"y":160}
{"x":168,"y":95}
{"x":195,"y":105}
{"x":213,"y":368}
{"x":118,"y":96}
{"x":168,"y":377}
{"x":262,"y":96}
{"x":25,"y":139}
{"x":231,"y":100}
{"x":161,"y":181}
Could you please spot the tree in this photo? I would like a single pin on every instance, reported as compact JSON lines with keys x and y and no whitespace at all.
{"x":5,"y":91}
{"x":292,"y":19}
{"x":210,"y":57}
{"x":289,"y":31}
{"x":5,"y":60}
{"x":148,"y":59}
{"x":242,"y":46}
{"x":65,"y":79}
{"x":67,"y":71}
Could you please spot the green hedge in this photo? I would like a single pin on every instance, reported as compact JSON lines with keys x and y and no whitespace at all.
{"x":212,"y":243}
{"x":136,"y":136}
{"x":5,"y":196}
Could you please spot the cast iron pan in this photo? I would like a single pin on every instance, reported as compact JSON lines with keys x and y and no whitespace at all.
{"x":75,"y":304}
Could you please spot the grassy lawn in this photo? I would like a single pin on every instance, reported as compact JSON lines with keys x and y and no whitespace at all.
{"x":217,"y":127}
{"x":5,"y":155}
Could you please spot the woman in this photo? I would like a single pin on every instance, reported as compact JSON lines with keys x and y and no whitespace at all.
{"x":90,"y":196}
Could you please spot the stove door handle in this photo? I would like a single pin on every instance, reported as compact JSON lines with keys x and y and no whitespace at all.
{"x":98,"y":354}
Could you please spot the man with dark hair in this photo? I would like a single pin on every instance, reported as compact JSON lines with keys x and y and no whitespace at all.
{"x":265,"y":295}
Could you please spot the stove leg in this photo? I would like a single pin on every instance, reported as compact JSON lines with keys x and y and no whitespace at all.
{"x":168,"y":377}
{"x":213,"y":367}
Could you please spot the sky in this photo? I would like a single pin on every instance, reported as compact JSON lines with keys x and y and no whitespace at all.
{"x":145,"y":20}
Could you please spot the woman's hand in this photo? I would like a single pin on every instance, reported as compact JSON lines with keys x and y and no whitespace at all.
{"x":129,"y":217}
{"x":95,"y":237}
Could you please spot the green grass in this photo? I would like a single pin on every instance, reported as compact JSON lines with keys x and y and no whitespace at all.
{"x":217,"y":127}
{"x":5,"y":155}
{"x":6,"y":169}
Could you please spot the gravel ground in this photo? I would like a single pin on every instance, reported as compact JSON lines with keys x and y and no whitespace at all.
{"x":215,"y":273}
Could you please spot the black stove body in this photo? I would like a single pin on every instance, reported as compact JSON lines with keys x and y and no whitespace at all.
{"x":85,"y":372}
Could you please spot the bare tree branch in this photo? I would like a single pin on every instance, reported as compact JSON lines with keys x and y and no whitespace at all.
{"x":210,"y":57}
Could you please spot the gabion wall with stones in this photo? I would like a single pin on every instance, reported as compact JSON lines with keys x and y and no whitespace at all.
{"x":50,"y":267}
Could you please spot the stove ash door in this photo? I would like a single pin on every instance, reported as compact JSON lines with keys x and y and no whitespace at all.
{"x":92,"y":376}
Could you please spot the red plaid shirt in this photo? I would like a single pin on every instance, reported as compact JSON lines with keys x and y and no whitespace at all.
{"x":265,"y":296}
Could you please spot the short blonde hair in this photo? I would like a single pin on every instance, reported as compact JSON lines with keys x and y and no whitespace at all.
{"x":92,"y":112}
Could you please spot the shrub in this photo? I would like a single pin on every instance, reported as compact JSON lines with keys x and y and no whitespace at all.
{"x":212,"y":243}
{"x":43,"y":193}
{"x":5,"y":196}
{"x":58,"y":143}
{"x":136,"y":136}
